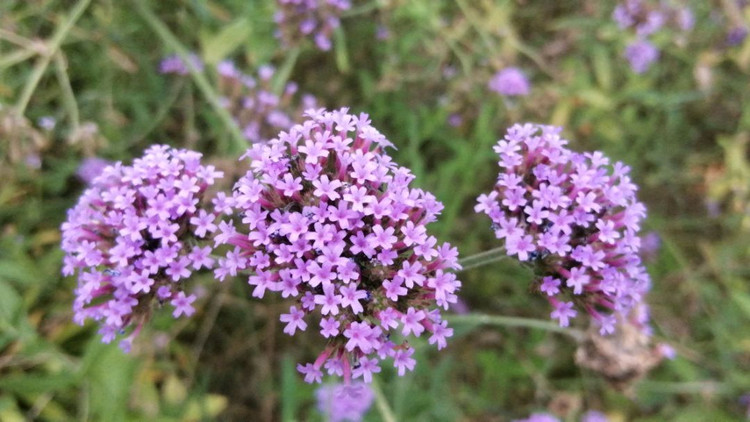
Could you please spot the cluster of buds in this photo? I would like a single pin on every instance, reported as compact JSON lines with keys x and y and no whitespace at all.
{"x":329,"y":221}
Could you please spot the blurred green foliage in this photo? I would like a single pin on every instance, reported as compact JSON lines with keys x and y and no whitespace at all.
{"x":683,"y":127}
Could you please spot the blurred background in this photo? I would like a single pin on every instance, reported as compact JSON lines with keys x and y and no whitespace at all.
{"x":662,"y":85}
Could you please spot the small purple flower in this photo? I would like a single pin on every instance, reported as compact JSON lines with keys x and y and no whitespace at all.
{"x":329,"y":220}
{"x":641,"y":54}
{"x":259,"y":113}
{"x":315,"y":19}
{"x":539,"y":417}
{"x":736,"y":36}
{"x":174,"y":64}
{"x":342,"y":402}
{"x":131,"y":235}
{"x":510,"y":82}
{"x":578,"y":227}
{"x":47,"y":123}
{"x":91,"y":168}
{"x":594,"y":416}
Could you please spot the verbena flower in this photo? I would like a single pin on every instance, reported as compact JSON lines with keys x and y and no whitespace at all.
{"x":259,"y":112}
{"x":641,"y":54}
{"x":329,"y":221}
{"x":316,"y":19}
{"x":175,"y":64}
{"x":574,"y":218}
{"x":539,"y":417}
{"x":91,"y":168}
{"x":511,"y":82}
{"x":134,"y":237}
{"x":342,"y":402}
{"x":646,"y":19}
{"x":589,"y":416}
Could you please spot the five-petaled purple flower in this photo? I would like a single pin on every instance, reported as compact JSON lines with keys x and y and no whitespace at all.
{"x":135,"y":235}
{"x":329,"y":220}
{"x":574,"y":218}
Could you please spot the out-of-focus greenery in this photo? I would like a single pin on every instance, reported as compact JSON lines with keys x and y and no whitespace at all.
{"x":683,"y":126}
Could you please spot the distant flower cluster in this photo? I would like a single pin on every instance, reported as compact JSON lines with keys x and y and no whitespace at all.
{"x":344,"y":402}
{"x":259,"y":113}
{"x":645,"y":19}
{"x":329,"y":220}
{"x":589,"y":416}
{"x":510,"y":82}
{"x":316,"y":19}
{"x":574,"y":218}
{"x":135,"y":236}
{"x":91,"y":168}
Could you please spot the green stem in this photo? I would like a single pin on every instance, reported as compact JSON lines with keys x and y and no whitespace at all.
{"x":282,"y":76}
{"x":386,"y":413}
{"x":483,"y":258}
{"x":508,"y":321}
{"x":239,"y":142}
{"x":68,"y":97}
{"x":43,"y":62}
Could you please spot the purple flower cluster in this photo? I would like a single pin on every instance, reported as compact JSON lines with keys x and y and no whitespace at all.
{"x":134,"y":236}
{"x":574,"y":218}
{"x":510,"y":82}
{"x":175,"y":64}
{"x":645,"y":20}
{"x":91,"y":168}
{"x":589,"y":416}
{"x":329,"y":221}
{"x":299,"y":19}
{"x":259,"y":112}
{"x":641,"y":54}
{"x":342,"y":402}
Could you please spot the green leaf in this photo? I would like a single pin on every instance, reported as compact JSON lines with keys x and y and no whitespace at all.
{"x":219,"y":46}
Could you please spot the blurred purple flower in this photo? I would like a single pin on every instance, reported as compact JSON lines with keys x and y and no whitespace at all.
{"x":539,"y":417}
{"x":667,"y":351}
{"x":594,"y":416}
{"x":341,"y":402}
{"x":174,"y":64}
{"x":641,"y":54}
{"x":511,"y":82}
{"x":299,"y":19}
{"x":736,"y":36}
{"x":91,"y":168}
{"x":47,"y":122}
{"x":455,"y":120}
{"x":650,"y":245}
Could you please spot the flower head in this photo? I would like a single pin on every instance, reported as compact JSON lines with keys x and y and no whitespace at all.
{"x":91,"y":168}
{"x":342,"y":402}
{"x":134,"y":236}
{"x":317,"y":19}
{"x":511,"y":82}
{"x":574,"y":218}
{"x":329,"y":220}
{"x":640,"y":55}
